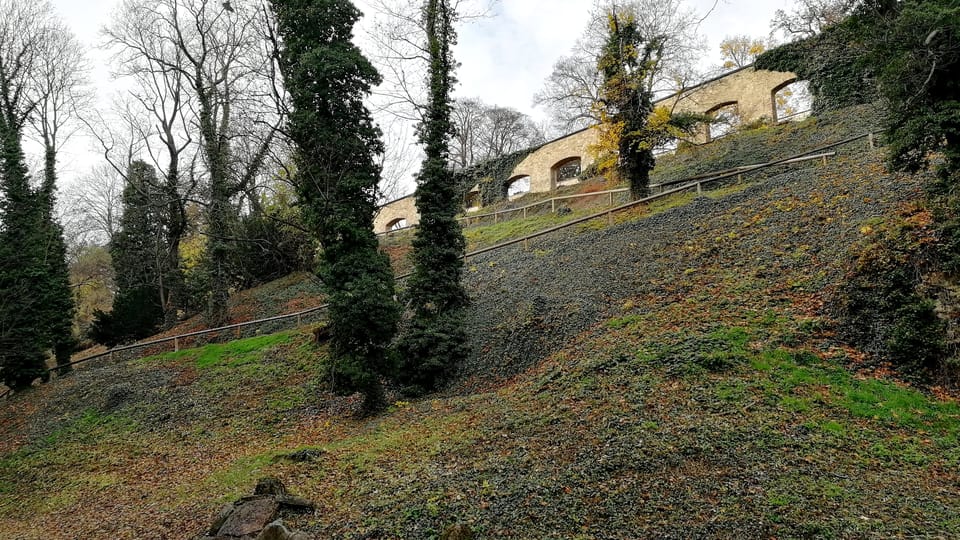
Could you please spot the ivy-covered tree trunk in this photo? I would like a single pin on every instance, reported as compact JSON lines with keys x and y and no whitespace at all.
{"x":636,"y":164}
{"x":220,"y":213}
{"x":58,"y":303}
{"x":337,"y":175}
{"x":35,"y":300}
{"x":175,"y":226}
{"x":436,"y":341}
{"x":25,"y":335}
{"x":626,"y":102}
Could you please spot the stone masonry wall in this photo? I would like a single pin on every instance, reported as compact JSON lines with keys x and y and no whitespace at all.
{"x":539,"y":165}
{"x":751,"y":89}
{"x":405,"y":208}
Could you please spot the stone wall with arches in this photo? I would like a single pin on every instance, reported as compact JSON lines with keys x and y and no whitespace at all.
{"x":752,"y":90}
{"x":751,"y":93}
{"x":392,"y":213}
{"x":543,"y":165}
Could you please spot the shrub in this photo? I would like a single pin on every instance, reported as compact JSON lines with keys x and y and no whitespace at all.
{"x":273,"y":247}
{"x":136,"y":314}
{"x":885,"y":305}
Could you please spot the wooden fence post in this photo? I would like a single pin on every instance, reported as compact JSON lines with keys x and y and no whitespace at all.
{"x":611,"y":198}
{"x":699,"y":189}
{"x":176,"y":344}
{"x":524,"y":212}
{"x":553,"y":205}
{"x":871,"y":141}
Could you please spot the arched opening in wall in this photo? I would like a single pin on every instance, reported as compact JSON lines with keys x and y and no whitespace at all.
{"x":397,"y":224}
{"x":517,"y":187}
{"x":668,"y":147}
{"x":725,"y":120}
{"x":472,"y":201}
{"x":792,"y":101}
{"x":567,"y":171}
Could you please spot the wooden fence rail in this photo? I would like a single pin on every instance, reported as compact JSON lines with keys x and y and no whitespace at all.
{"x":610,"y":193}
{"x":686,"y":184}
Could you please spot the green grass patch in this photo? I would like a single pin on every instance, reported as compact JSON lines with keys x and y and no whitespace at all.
{"x":884,"y":401}
{"x":236,"y":480}
{"x":71,"y":458}
{"x":233,"y":353}
{"x":489,"y":235}
{"x":624,"y":322}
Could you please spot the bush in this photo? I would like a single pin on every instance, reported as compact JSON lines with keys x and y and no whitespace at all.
{"x":137,"y":313}
{"x":885,"y":306}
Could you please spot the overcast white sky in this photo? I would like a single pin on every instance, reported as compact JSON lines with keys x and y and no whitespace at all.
{"x":504,"y":58}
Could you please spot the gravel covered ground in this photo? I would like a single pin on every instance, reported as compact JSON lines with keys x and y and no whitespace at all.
{"x":665,"y":377}
{"x":527,"y":304}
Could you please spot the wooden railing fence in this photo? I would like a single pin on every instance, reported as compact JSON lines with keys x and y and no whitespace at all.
{"x":691,"y":183}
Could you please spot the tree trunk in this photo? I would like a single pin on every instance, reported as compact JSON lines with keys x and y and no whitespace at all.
{"x":172,"y":275}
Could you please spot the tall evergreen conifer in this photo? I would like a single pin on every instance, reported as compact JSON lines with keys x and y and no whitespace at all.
{"x":328,"y":77}
{"x":25,"y":335}
{"x":436,"y":340}
{"x":138,"y":255}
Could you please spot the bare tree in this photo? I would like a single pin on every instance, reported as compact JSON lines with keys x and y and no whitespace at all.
{"x":22,"y":33}
{"x":155,"y":120}
{"x":212,"y":72}
{"x":573,"y":87}
{"x":810,"y":17}
{"x":570,"y":91}
{"x":401,"y":158}
{"x":90,"y":208}
{"x":59,"y":89}
{"x":485,"y":132}
{"x":507,"y":130}
{"x":467,"y":117}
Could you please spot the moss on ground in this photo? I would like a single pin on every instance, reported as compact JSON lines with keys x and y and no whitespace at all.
{"x":715,"y":403}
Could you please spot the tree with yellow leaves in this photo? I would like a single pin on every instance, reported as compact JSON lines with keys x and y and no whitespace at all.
{"x":630,"y":127}
{"x":740,"y":51}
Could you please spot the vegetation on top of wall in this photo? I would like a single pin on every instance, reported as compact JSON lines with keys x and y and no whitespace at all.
{"x":832,"y":62}
{"x":491,"y":175}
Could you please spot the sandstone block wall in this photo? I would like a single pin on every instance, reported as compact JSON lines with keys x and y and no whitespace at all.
{"x":752,"y":90}
{"x":539,"y":165}
{"x":405,"y":208}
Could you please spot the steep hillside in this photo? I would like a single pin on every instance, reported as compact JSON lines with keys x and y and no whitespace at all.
{"x":672,"y":375}
{"x":791,"y":226}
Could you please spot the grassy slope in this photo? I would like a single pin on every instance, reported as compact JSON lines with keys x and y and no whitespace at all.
{"x":715,"y":406}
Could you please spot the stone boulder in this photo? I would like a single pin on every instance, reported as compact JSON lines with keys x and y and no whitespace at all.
{"x":255,"y":517}
{"x":458,"y":532}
